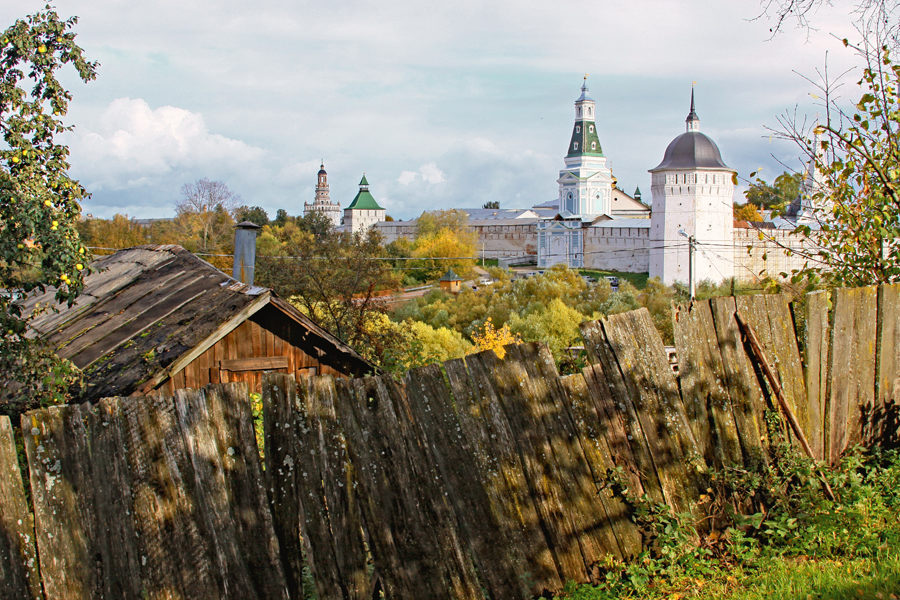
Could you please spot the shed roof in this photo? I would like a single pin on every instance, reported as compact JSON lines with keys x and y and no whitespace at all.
{"x":147,"y":312}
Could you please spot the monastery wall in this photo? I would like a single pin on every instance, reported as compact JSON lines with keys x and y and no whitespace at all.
{"x":617,"y":249}
{"x":758,"y":252}
{"x":498,"y":239}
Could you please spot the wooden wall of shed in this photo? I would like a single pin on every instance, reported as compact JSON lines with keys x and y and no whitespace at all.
{"x":251,"y":339}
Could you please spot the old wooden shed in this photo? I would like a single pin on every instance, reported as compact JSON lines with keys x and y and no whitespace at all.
{"x":160,"y":318}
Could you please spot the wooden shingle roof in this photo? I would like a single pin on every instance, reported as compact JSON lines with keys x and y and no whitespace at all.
{"x":145,"y":312}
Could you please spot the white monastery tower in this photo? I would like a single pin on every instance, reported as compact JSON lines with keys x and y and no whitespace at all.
{"x":585,"y":191}
{"x":692,"y":191}
{"x":585,"y":185}
{"x":323,"y":203}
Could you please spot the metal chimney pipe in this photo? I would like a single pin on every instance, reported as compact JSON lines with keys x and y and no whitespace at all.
{"x":245,"y":251}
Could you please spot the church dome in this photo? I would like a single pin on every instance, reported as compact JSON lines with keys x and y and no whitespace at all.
{"x":692,"y":150}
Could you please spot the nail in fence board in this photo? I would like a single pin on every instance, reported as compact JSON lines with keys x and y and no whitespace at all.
{"x":817,"y":344}
{"x":852,"y":369}
{"x":887,"y":408}
{"x":19,"y":576}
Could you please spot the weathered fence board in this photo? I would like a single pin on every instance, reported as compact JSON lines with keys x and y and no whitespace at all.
{"x":707,"y":401}
{"x":453,"y":456}
{"x":498,"y":466}
{"x":748,"y":403}
{"x":661,"y":417}
{"x":593,"y":434}
{"x":19,"y":576}
{"x":817,"y":344}
{"x":600,"y":353}
{"x":887,"y":398}
{"x":132,"y":500}
{"x":583,"y":508}
{"x":284,"y":422}
{"x":851,"y":397}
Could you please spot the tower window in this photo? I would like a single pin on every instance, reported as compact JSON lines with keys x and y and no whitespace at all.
{"x":591,"y":128}
{"x":578,"y":129}
{"x":593,"y":145}
{"x":575,"y":145}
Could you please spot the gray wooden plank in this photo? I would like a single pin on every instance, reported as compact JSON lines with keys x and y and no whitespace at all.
{"x":453,"y":455}
{"x":599,"y":460}
{"x":748,"y":402}
{"x":817,"y":346}
{"x":589,"y":513}
{"x":708,"y":405}
{"x":852,"y":369}
{"x":887,"y":408}
{"x":498,"y":466}
{"x":284,"y":422}
{"x":601,"y":353}
{"x":19,"y":576}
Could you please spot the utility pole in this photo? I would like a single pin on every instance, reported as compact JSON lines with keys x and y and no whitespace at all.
{"x":692,"y":241}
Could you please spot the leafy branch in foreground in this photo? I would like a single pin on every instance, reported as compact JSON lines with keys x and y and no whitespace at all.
{"x":854,"y":186}
{"x":39,"y":202}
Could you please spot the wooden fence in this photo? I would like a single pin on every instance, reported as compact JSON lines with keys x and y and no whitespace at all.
{"x":479,"y":478}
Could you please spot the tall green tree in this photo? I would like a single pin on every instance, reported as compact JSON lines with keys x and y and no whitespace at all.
{"x":39,"y":201}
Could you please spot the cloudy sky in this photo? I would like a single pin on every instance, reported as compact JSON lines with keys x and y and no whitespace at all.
{"x":441,"y":104}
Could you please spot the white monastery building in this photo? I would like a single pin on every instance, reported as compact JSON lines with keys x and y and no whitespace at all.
{"x":593,"y":224}
{"x":364,"y":212}
{"x":693,"y":194}
{"x":322,"y":202}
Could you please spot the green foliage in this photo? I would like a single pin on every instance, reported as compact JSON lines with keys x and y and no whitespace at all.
{"x":39,"y":202}
{"x":254,"y":214}
{"x":856,"y":155}
{"x":790,"y":523}
{"x":774,"y":196}
{"x":544,"y":308}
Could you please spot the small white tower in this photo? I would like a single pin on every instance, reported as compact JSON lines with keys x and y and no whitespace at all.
{"x":692,"y":191}
{"x":322,"y":202}
{"x":585,"y":185}
{"x":364,"y":212}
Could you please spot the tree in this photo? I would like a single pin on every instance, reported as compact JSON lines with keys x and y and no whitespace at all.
{"x":205,"y":204}
{"x":333,"y":278}
{"x":856,"y":195}
{"x":491,"y":204}
{"x":254,"y":214}
{"x":776,"y":196}
{"x":39,"y":201}
{"x":444,"y":234}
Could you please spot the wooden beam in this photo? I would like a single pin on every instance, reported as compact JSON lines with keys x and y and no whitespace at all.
{"x":256,"y":363}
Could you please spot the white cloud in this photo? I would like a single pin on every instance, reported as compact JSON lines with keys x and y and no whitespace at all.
{"x":132,"y":144}
{"x":407,"y":177}
{"x":427,"y":173}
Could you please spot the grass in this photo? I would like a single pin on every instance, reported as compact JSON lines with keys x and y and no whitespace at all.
{"x":797,"y":546}
{"x":638,"y":280}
